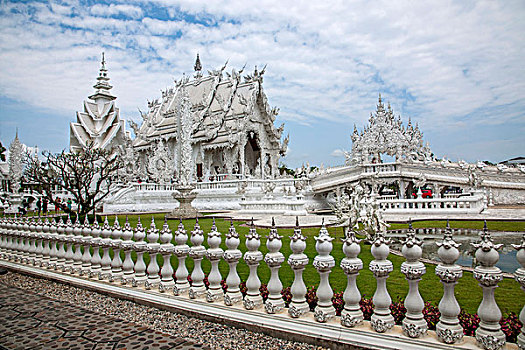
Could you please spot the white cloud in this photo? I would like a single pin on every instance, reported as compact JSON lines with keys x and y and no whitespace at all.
{"x":445,"y":65}
{"x":337,"y":153}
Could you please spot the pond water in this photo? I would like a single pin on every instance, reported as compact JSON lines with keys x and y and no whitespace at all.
{"x":507,"y":254}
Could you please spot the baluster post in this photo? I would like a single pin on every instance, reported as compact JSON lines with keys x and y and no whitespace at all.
{"x":324,"y":263}
{"x":214,"y":254}
{"x":448,"y":328}
{"x":489,"y":334}
{"x":274,"y":258}
{"x":77,"y":240}
{"x":86,"y":244}
{"x":414,"y":325}
{"x":96,"y":260}
{"x":197,"y":252}
{"x":153,"y":249}
{"x":298,"y":261}
{"x":53,"y":240}
{"x":37,"y":253}
{"x":105,"y":243}
{"x":253,"y":257}
{"x":140,"y":247}
{"x":61,"y":238}
{"x":116,"y":245}
{"x":232,"y":255}
{"x":351,"y":265}
{"x":127,"y":246}
{"x":68,"y":263}
{"x":166,"y":249}
{"x":46,"y":249}
{"x":382,"y":319}
{"x":181,"y":251}
{"x":519,"y":276}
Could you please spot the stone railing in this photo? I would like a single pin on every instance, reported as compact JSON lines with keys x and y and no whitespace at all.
{"x":250,"y":183}
{"x":62,"y":251}
{"x":468,"y":204}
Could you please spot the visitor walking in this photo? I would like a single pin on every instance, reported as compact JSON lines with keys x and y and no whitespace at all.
{"x":69,"y":203}
{"x":38,"y":206}
{"x":44,"y":206}
{"x":57,"y":204}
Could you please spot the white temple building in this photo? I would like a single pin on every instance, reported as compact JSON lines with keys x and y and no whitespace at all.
{"x":211,"y":126}
{"x":99,"y":123}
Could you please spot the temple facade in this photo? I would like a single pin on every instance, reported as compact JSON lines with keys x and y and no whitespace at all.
{"x":99,"y":123}
{"x":207,"y":127}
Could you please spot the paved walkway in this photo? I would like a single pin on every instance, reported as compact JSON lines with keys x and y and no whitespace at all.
{"x":32,"y":321}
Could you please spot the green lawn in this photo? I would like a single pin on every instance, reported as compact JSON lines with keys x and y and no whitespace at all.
{"x":508,"y":296}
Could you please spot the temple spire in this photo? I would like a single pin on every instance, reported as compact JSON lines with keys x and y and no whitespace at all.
{"x":102,"y":85}
{"x":198,"y":67}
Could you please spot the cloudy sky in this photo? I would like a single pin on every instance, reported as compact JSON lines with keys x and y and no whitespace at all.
{"x":454,"y":67}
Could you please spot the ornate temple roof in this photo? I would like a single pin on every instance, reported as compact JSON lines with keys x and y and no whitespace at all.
{"x":99,"y":122}
{"x":221,"y":104}
{"x":385,"y":134}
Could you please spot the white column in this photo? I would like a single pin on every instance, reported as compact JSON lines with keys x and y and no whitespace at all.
{"x":232,"y":255}
{"x":53,"y":239}
{"x":414,"y":325}
{"x":46,"y":250}
{"x":382,"y":319}
{"x":253,"y":257}
{"x":489,"y":334}
{"x":153,"y":249}
{"x":274,"y":258}
{"x":61,"y":254}
{"x":324,"y":263}
{"x":139,"y":246}
{"x":298,"y":261}
{"x":197,"y":252}
{"x":68,"y":263}
{"x":37,"y":253}
{"x":351,"y":265}
{"x":214,"y":254}
{"x":448,"y":328}
{"x":181,"y":251}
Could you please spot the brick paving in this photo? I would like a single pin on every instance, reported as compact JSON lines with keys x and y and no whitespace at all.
{"x":32,"y":321}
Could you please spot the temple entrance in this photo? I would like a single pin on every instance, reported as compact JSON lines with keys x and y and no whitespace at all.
{"x":199,"y":171}
{"x":252,"y":155}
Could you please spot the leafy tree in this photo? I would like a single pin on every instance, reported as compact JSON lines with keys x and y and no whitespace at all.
{"x":87,"y":176}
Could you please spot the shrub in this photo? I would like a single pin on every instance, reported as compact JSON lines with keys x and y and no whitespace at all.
{"x":431,"y":315}
{"x":311,"y":297}
{"x":469,"y":322}
{"x":398,"y":310}
{"x":511,"y":326}
{"x":367,"y":306}
{"x":287,"y":296}
{"x":338,"y":302}
{"x":264,"y":291}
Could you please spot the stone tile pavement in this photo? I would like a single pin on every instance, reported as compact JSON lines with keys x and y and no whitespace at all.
{"x":32,"y":321}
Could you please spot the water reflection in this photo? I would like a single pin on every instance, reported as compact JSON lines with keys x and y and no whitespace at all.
{"x":507,"y":261}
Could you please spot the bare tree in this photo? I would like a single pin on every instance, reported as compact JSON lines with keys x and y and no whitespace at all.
{"x":87,"y":176}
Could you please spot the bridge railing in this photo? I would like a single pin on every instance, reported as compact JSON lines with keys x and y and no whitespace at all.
{"x":66,"y":249}
{"x":473,"y":203}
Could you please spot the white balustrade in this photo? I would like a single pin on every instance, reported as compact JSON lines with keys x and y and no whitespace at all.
{"x":274,"y":258}
{"x":41,"y":246}
{"x":181,"y":251}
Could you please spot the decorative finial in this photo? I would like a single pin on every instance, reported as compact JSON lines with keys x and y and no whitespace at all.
{"x":103,"y":62}
{"x":297,"y":222}
{"x":198,"y":66}
{"x":273,"y":221}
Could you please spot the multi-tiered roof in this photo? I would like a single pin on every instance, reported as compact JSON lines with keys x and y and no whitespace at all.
{"x":100,"y":121}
